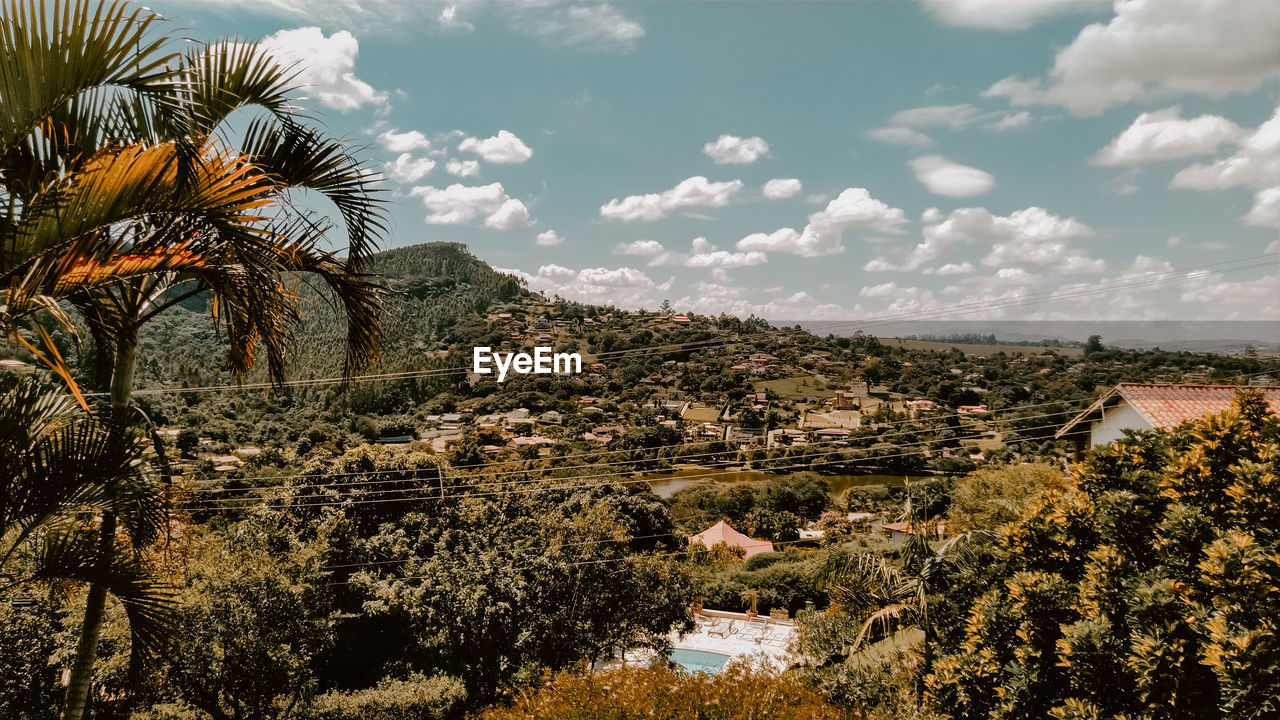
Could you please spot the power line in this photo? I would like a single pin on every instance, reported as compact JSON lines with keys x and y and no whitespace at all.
{"x":690,"y":444}
{"x":248,"y":503}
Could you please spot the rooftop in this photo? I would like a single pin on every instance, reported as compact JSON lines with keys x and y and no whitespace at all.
{"x":1168,"y":406}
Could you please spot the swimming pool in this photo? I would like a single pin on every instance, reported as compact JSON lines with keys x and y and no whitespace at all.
{"x":699,"y":660}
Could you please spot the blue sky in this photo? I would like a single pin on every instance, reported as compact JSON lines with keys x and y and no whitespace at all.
{"x":924,"y":153}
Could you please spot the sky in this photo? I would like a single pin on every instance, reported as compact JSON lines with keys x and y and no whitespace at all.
{"x":814,"y":160}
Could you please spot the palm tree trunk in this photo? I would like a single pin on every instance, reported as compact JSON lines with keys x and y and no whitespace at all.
{"x":96,"y":604}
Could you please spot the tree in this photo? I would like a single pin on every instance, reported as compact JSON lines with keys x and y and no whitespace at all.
{"x":130,"y":202}
{"x":890,"y":597}
{"x":57,"y":465}
{"x":1139,"y":589}
{"x":1093,"y":345}
{"x":872,"y":371}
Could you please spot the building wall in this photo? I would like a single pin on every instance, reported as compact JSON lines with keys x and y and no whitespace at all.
{"x":1114,"y":422}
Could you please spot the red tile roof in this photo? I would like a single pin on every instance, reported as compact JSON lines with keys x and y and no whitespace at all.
{"x":1167,"y":406}
{"x":722,"y":533}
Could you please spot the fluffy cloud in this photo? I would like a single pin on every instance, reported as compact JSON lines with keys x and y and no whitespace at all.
{"x":733,"y":150}
{"x":463,"y":204}
{"x":964,"y":268}
{"x":548,"y":238}
{"x":1164,"y":135}
{"x":944,"y":177}
{"x":782,"y":188}
{"x":853,"y":208}
{"x":1032,"y":237}
{"x":403,"y":142}
{"x":706,"y":255}
{"x":1158,"y":47}
{"x":595,"y":28}
{"x":702,"y":254}
{"x":900,"y":136}
{"x":407,"y":169}
{"x":619,"y":287}
{"x":463,"y":168}
{"x":696,"y":191}
{"x":1002,"y":14}
{"x":1255,"y":165}
{"x":644,"y":248}
{"x":504,"y":148}
{"x":325,"y":66}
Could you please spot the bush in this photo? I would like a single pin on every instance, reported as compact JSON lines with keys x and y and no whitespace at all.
{"x":438,"y":697}
{"x":738,"y":692}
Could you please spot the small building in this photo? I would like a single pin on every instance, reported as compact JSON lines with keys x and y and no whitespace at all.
{"x":722,"y":533}
{"x":1139,"y":406}
{"x":845,"y":400}
{"x":898,"y":531}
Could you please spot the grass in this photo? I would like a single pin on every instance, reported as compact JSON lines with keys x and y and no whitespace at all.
{"x":799,"y":386}
{"x":983,"y":350}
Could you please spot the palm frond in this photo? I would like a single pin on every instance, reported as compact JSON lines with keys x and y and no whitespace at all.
{"x":53,"y":52}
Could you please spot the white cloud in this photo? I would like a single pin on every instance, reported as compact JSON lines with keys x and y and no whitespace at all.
{"x":463,"y":204}
{"x":1154,"y":48}
{"x":964,"y":268}
{"x":504,"y":148}
{"x":1003,"y":14}
{"x":1011,"y":121}
{"x":595,"y":28}
{"x":696,"y":191}
{"x":978,"y":225}
{"x":956,"y":117}
{"x":618,"y":287}
{"x":1255,"y":165}
{"x":1025,"y":237}
{"x":404,"y":142}
{"x":325,"y":66}
{"x":900,"y":136}
{"x":853,"y":208}
{"x":944,"y":177}
{"x":463,"y":168}
{"x":879,"y":264}
{"x":782,"y":188}
{"x":644,"y":248}
{"x":1164,"y":135}
{"x":734,"y":150}
{"x":706,"y":255}
{"x":407,"y":169}
{"x":548,"y":238}
{"x":1266,"y":209}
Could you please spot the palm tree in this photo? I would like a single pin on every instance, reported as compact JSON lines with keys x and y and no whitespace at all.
{"x":896,"y":597}
{"x":121,"y":196}
{"x":751,"y":600}
{"x":61,"y":464}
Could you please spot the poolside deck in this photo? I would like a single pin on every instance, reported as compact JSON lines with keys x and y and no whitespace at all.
{"x":732,"y":634}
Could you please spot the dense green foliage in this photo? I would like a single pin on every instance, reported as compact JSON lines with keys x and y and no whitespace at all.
{"x":1146,"y":588}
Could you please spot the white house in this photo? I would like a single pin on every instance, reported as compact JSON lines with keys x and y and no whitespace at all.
{"x":1138,"y":406}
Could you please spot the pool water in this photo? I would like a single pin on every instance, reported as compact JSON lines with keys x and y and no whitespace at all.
{"x":699,"y":661}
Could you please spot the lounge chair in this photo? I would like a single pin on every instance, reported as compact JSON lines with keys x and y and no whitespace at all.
{"x":720,"y":629}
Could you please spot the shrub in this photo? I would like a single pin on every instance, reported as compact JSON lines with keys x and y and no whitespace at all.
{"x":437,"y":697}
{"x":738,"y":692}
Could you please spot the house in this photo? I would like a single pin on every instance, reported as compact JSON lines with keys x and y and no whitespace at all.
{"x":722,"y":533}
{"x":845,"y":400}
{"x":971,"y":410}
{"x":898,"y":531}
{"x":1139,"y":406}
